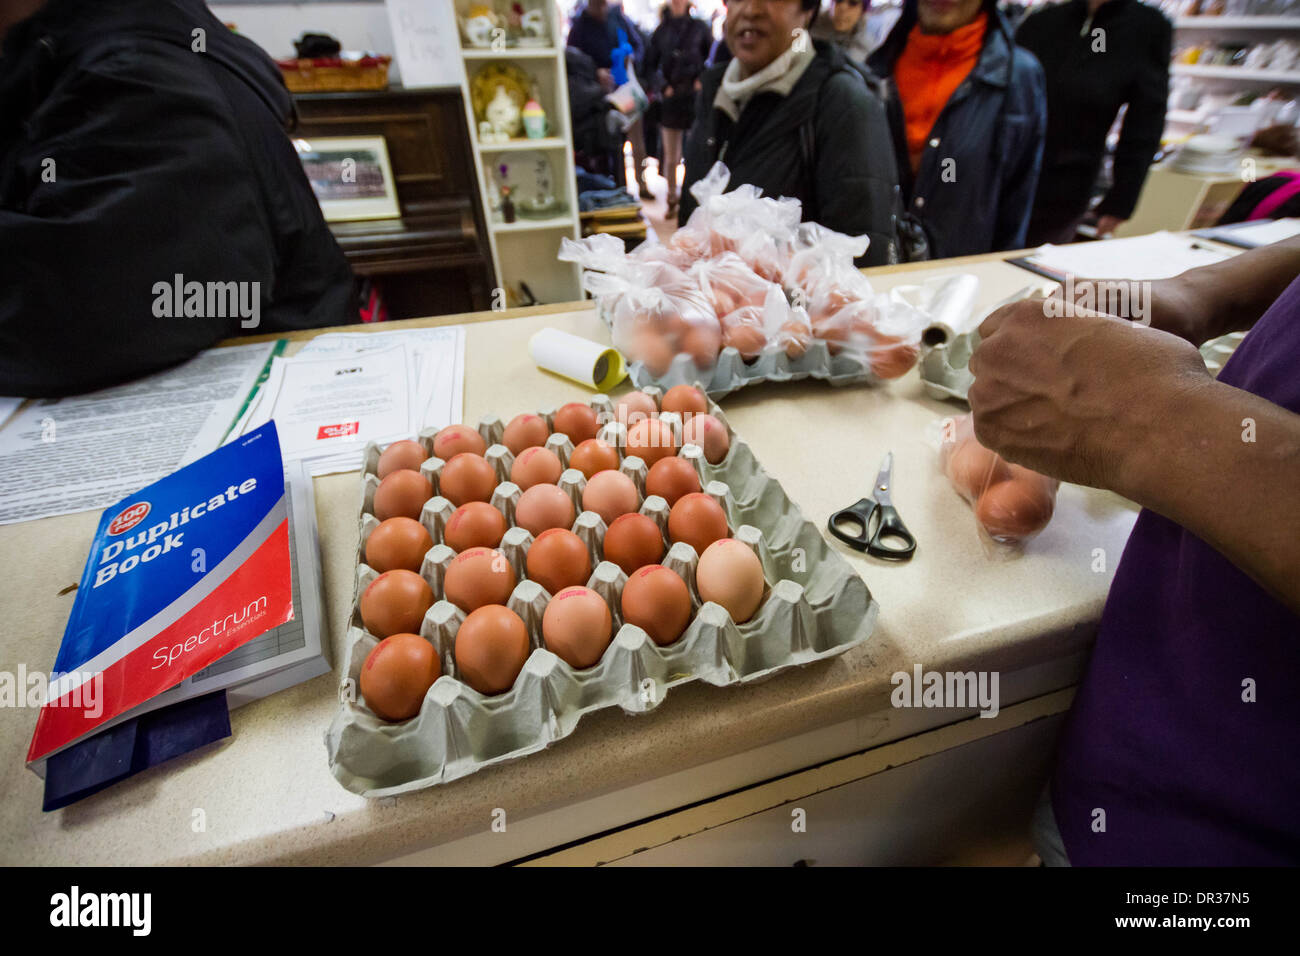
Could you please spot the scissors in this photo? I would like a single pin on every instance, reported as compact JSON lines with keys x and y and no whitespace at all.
{"x":880,"y":510}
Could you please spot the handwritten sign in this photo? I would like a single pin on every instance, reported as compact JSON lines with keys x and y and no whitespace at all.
{"x":425,"y":42}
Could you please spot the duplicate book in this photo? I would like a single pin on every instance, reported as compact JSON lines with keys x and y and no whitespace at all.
{"x":207,"y":579}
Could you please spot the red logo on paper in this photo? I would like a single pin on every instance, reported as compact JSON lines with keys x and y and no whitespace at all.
{"x":129,"y":518}
{"x":337,"y":431}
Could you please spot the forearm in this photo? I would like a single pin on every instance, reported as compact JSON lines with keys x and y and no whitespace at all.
{"x":1225,"y":465}
{"x":1236,"y":292}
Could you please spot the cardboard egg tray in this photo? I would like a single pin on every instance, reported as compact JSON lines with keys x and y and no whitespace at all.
{"x":731,"y":372}
{"x":814,"y":607}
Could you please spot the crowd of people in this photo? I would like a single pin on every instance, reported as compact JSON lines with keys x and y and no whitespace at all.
{"x":943,"y":128}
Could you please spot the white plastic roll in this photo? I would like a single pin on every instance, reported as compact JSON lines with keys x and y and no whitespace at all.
{"x":582,"y":360}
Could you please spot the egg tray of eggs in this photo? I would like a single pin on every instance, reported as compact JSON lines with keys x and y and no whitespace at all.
{"x":821,"y":359}
{"x":775,"y":596}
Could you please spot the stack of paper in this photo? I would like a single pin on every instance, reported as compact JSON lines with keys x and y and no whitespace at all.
{"x":343,"y":390}
{"x":59,"y":456}
{"x":1159,"y":255}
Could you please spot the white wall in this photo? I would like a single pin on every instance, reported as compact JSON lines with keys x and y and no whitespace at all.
{"x":274,"y":26}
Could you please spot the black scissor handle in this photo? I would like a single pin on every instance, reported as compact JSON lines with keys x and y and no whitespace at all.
{"x":890,"y":525}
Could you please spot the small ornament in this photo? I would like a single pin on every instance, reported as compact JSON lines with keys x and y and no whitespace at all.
{"x":534,"y":120}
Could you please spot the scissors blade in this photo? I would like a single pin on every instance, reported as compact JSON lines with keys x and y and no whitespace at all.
{"x":884,"y":480}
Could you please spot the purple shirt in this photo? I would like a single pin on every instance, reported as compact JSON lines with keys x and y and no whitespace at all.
{"x":1159,"y":736}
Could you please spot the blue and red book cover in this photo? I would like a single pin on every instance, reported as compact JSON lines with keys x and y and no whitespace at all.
{"x":179,"y":574}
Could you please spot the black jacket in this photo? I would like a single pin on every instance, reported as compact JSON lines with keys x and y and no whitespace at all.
{"x":598,"y":38}
{"x":975,"y":185}
{"x":1093,"y":68}
{"x":675,"y":56}
{"x":587,"y":106}
{"x":826,"y":144}
{"x":165,"y":161}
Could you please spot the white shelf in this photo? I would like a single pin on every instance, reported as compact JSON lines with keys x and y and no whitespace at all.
{"x":1290,"y":78}
{"x":525,"y":251}
{"x":529,"y":225}
{"x":548,"y":142}
{"x":1237,"y":23}
{"x":510,"y":53}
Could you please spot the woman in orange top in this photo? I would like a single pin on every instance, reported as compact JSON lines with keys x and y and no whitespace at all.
{"x":968,"y":114}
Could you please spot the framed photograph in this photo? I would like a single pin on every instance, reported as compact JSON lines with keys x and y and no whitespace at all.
{"x":350,"y":176}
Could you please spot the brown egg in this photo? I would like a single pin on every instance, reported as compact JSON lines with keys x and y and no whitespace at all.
{"x":652,"y":349}
{"x":577,"y":627}
{"x":558,"y":559}
{"x":702,"y":342}
{"x":399,"y":542}
{"x":894,"y":361}
{"x":633,"y":541}
{"x":730,"y":574}
{"x":651,"y":440}
{"x":670,"y":478}
{"x":395,"y":602}
{"x":399,"y":455}
{"x":397,"y":674}
{"x":477,"y":577}
{"x":536,"y":466}
{"x":610,"y":494}
{"x":525,"y":431}
{"x":403,"y":493}
{"x":971,"y":467}
{"x":542,"y":507}
{"x":458,"y":440}
{"x":491,"y":649}
{"x":576,"y":420}
{"x":710,"y":434}
{"x":656,"y":600}
{"x":698,"y":520}
{"x":634,"y":407}
{"x":594,"y":455}
{"x":475,"y":524}
{"x":748,"y":340}
{"x":467,"y":477}
{"x":1014,"y":509}
{"x":685,"y":398}
{"x":796,"y":336}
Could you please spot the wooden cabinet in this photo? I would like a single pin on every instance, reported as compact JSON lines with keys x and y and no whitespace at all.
{"x":435,"y":259}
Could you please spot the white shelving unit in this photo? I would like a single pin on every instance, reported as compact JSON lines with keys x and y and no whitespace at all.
{"x":1211,"y":30}
{"x":1241,"y":73}
{"x":525,"y":251}
{"x":1237,"y":23}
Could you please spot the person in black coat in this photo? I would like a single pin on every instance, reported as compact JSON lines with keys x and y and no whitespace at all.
{"x":799,"y":121}
{"x":134,"y":150}
{"x":1098,"y":56}
{"x":674,"y":60}
{"x":595,"y":30}
{"x":595,"y":144}
{"x":972,"y":186}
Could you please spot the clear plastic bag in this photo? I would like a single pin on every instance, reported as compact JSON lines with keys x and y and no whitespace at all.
{"x":728,"y":283}
{"x":821,"y":267}
{"x":1012,"y":504}
{"x":773,"y":326}
{"x":655,"y":310}
{"x":696,"y":239}
{"x":760,"y":229}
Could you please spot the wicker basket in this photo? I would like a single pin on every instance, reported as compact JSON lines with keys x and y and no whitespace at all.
{"x":330,"y":74}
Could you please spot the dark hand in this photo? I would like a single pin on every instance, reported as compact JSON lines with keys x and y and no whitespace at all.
{"x":1071,"y":397}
